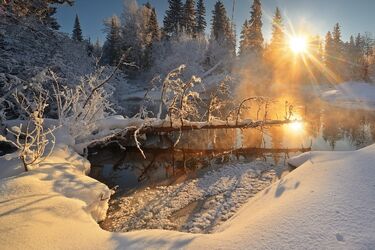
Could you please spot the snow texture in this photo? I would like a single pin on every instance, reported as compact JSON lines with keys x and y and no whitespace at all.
{"x":326,"y":203}
{"x":197,"y":205}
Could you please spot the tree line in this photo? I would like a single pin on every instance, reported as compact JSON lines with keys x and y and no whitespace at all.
{"x":137,"y":35}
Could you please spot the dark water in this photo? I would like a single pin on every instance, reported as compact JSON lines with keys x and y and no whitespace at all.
{"x":324,"y":128}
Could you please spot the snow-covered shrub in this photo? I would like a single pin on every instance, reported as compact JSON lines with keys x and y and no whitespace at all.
{"x":178,"y":96}
{"x":170,"y":54}
{"x":31,"y":137}
{"x":81,"y":106}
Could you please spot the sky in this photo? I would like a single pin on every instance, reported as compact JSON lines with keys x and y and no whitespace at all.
{"x":315,"y":17}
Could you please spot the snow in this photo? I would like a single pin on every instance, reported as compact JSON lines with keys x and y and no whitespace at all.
{"x":355,"y":95}
{"x":327,"y":202}
{"x":198,"y":205}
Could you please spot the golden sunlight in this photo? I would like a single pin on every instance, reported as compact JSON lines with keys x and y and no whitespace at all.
{"x":298,"y":44}
{"x":296,"y":126}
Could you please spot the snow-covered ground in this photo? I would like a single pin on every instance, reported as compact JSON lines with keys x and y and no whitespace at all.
{"x":328,"y":202}
{"x":354,"y":95}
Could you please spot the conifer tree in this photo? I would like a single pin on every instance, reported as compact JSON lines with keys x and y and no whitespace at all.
{"x":112,"y":46}
{"x":189,"y":17}
{"x":337,"y":42}
{"x":200,"y":17}
{"x":153,"y":35}
{"x":255,"y":37}
{"x":97,"y":52}
{"x":328,"y":50}
{"x":243,"y":37}
{"x":222,"y":43}
{"x":153,"y":26}
{"x":77,"y":32}
{"x":174,"y":17}
{"x":220,"y":22}
{"x":277,"y":39}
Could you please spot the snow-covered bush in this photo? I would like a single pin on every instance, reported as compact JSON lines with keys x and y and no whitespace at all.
{"x":31,"y":137}
{"x":178,"y":96}
{"x":81,"y":106}
{"x":170,"y":54}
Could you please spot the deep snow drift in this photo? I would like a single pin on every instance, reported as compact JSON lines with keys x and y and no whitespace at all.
{"x":328,"y":202}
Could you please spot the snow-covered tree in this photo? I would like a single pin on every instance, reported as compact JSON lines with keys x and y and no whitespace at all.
{"x":174,"y":17}
{"x":254,"y":39}
{"x":77,"y":31}
{"x":152,"y":37}
{"x":97,"y":52}
{"x":135,"y":38}
{"x":189,"y":22}
{"x":244,"y":34}
{"x":112,"y":46}
{"x":43,"y":10}
{"x":278,"y":37}
{"x":200,"y":17}
{"x":222,"y":40}
{"x":328,"y":50}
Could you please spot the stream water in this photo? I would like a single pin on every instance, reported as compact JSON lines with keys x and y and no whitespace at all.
{"x":249,"y":160}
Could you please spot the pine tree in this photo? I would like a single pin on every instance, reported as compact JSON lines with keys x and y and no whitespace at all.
{"x":243,"y":37}
{"x":219,"y":21}
{"x":255,"y":36}
{"x":337,"y":42}
{"x":328,"y":50}
{"x":174,"y":17}
{"x":97,"y":52}
{"x":77,"y":32}
{"x":200,"y":17}
{"x":112,"y":46}
{"x":188,"y":23}
{"x":223,"y":39}
{"x":153,"y":35}
{"x":153,"y":26}
{"x":277,"y":39}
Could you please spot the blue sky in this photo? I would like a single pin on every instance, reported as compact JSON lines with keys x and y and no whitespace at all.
{"x":315,"y":16}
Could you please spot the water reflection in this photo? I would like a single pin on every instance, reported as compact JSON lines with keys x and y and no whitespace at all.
{"x":323,"y":128}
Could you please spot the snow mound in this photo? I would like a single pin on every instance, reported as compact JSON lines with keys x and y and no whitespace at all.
{"x":352,"y":95}
{"x":326,"y":203}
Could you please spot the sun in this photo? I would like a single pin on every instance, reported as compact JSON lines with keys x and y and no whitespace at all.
{"x":298,"y":44}
{"x":296,"y":126}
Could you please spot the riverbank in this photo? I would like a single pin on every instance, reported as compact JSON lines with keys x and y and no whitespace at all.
{"x":326,"y":203}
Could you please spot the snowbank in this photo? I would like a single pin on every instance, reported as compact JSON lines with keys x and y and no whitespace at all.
{"x":352,"y":95}
{"x":328,"y":202}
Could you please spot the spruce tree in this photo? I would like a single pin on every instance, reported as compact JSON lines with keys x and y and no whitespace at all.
{"x":153,"y":34}
{"x":219,"y":21}
{"x":328,"y":50}
{"x":337,"y":42}
{"x":97,"y":53}
{"x":112,"y":47}
{"x":255,"y":36}
{"x":223,"y":38}
{"x":200,"y":17}
{"x":277,"y":39}
{"x":189,"y":17}
{"x":243,"y":37}
{"x":153,"y":26}
{"x":174,"y":17}
{"x":77,"y":32}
